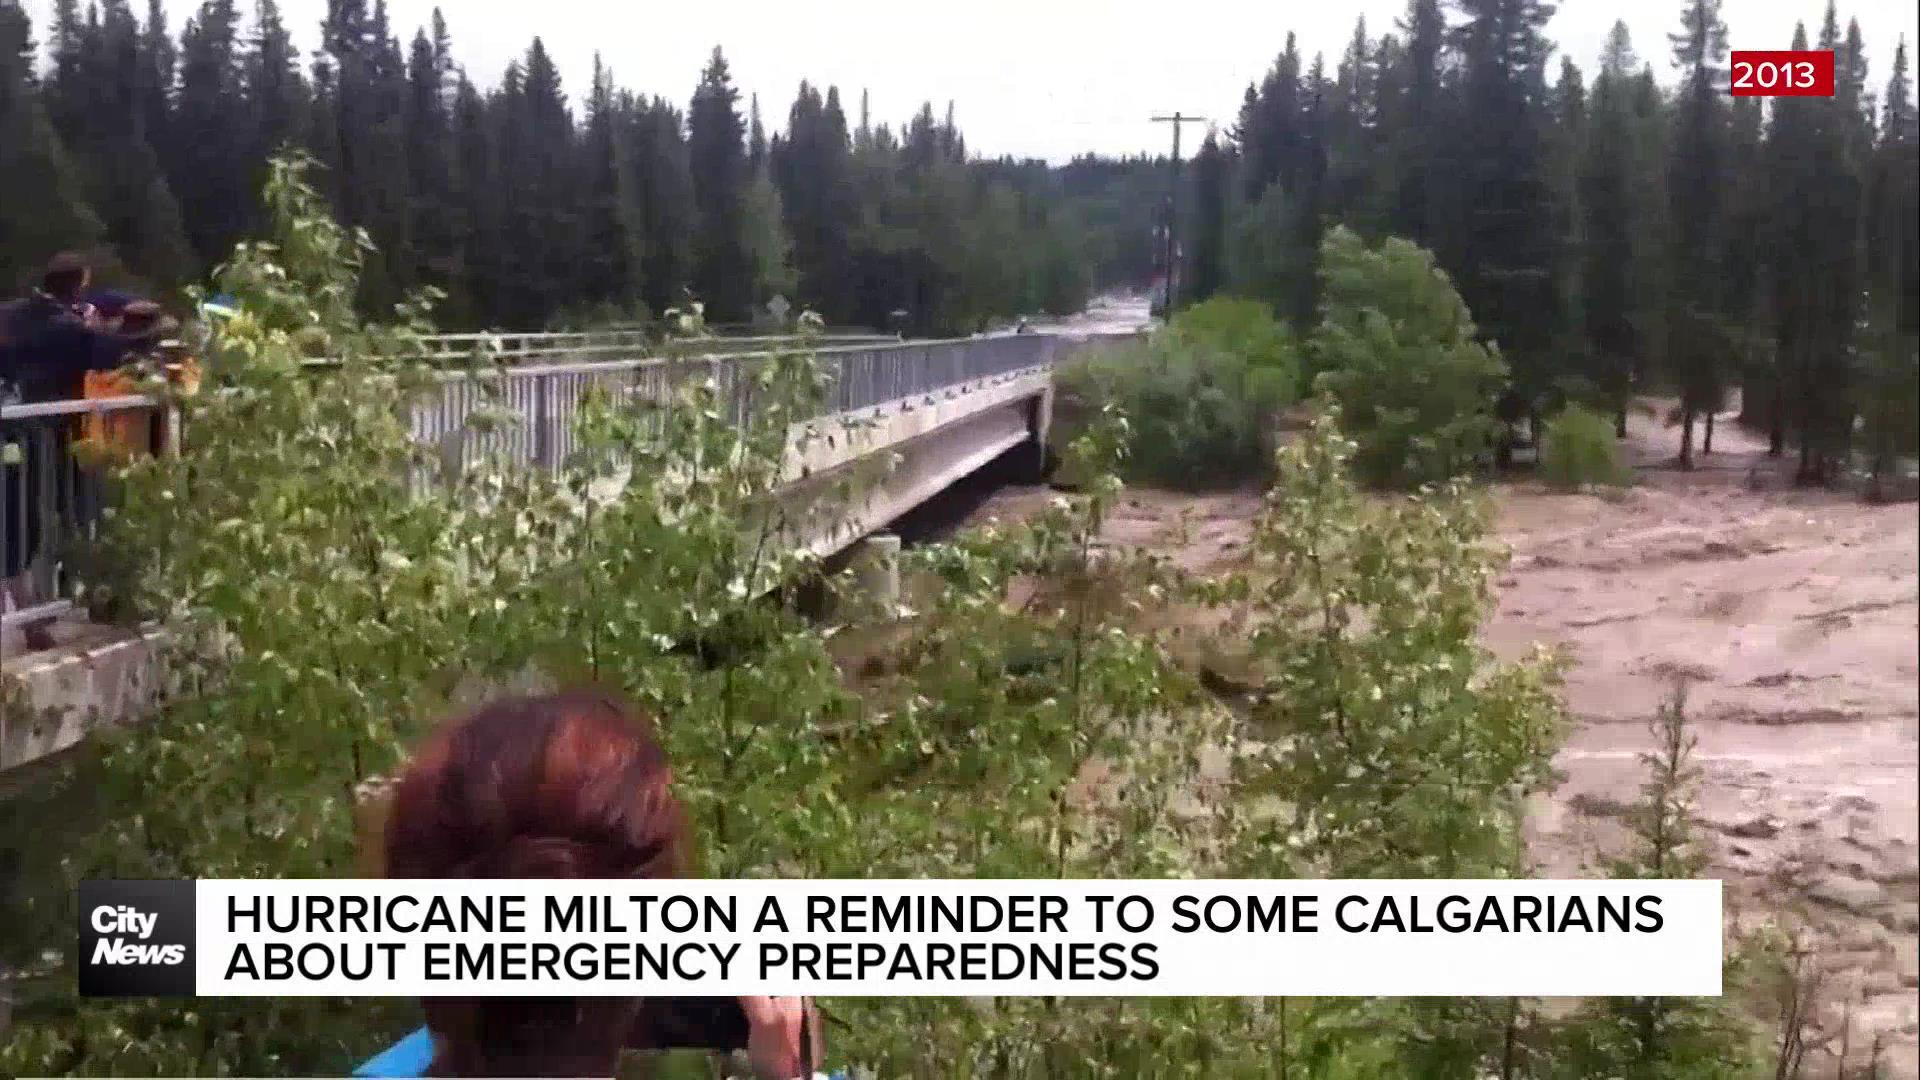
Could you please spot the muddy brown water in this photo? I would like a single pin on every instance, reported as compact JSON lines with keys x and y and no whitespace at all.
{"x":1792,"y":615}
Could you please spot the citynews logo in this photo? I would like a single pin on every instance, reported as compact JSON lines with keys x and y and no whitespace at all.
{"x":119,"y":950}
{"x":136,"y":938}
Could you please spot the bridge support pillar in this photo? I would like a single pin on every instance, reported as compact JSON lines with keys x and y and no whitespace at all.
{"x":876,"y":574}
{"x":1040,"y":429}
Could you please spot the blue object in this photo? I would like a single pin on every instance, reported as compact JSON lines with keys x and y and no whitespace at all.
{"x":222,"y":306}
{"x":410,"y":1057}
{"x":407,"y":1058}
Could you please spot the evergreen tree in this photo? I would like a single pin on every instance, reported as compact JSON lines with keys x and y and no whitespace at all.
{"x":368,"y":107}
{"x":1350,"y":133}
{"x":1381,"y":199}
{"x":611,"y":269}
{"x":1207,"y":244}
{"x":1269,"y":125}
{"x":1284,"y":129}
{"x":1699,"y":351}
{"x":813,"y":168}
{"x":1890,"y":390}
{"x":41,"y":208}
{"x":763,"y":234}
{"x":1415,"y":117}
{"x":1744,"y":263}
{"x":433,"y":215}
{"x":210,"y":163}
{"x":97,"y":90}
{"x":1835,"y":194}
{"x":1599,"y":232}
{"x":922,"y":232}
{"x":158,"y":62}
{"x":1651,"y":246}
{"x":66,"y":89}
{"x":664,"y":186}
{"x":1793,"y":176}
{"x":500,"y":200}
{"x":756,"y":136}
{"x":1566,"y":145}
{"x":722,"y":275}
{"x":276,"y":94}
{"x":542,"y":265}
{"x":1613,"y":205}
{"x":1506,"y":263}
{"x":479,"y":205}
{"x":1307,"y":179}
{"x":1894,"y":255}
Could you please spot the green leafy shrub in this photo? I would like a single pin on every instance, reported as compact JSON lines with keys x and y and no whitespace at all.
{"x":1578,"y":448}
{"x":1664,"y":1036}
{"x":1201,"y":394}
{"x":1366,"y":614}
{"x":1396,"y":351}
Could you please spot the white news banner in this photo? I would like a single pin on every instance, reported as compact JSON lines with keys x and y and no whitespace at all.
{"x":949,"y":938}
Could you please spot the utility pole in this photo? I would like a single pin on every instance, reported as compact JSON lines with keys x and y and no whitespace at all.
{"x":1173,"y":199}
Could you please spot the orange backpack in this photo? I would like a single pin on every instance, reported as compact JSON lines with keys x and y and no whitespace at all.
{"x":127,"y":432}
{"x":114,"y":434}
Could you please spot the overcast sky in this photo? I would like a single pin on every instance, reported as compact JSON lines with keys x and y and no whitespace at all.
{"x":1046,"y":78}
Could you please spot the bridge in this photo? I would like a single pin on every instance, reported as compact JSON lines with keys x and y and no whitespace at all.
{"x":940,"y":409}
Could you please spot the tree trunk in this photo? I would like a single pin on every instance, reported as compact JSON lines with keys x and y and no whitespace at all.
{"x":1777,"y":421}
{"x":1620,"y":421}
{"x":1686,"y":438}
{"x":1706,"y":441}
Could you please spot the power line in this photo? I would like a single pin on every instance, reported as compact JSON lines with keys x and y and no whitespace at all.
{"x":1173,"y":198}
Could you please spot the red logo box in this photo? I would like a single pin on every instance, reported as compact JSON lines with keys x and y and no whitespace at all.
{"x":1782,"y":73}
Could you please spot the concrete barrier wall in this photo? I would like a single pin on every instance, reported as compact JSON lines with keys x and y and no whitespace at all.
{"x":50,"y":702}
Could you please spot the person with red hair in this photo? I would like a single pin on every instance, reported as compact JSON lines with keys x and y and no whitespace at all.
{"x":564,"y":786}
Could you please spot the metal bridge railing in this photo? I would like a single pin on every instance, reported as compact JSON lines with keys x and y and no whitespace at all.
{"x":545,"y":399}
{"x":562,"y":346}
{"x":52,"y":496}
{"x":52,"y":492}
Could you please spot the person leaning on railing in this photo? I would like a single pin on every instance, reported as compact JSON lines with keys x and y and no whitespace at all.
{"x":50,"y":341}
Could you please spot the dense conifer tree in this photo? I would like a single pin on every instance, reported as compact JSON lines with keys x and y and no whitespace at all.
{"x":43,"y":210}
{"x":1207,"y":246}
{"x":1506,"y":262}
{"x":1610,"y":235}
{"x":717,"y":162}
{"x":1415,"y":119}
{"x":210,"y":154}
{"x":1615,"y":214}
{"x":1698,"y":346}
